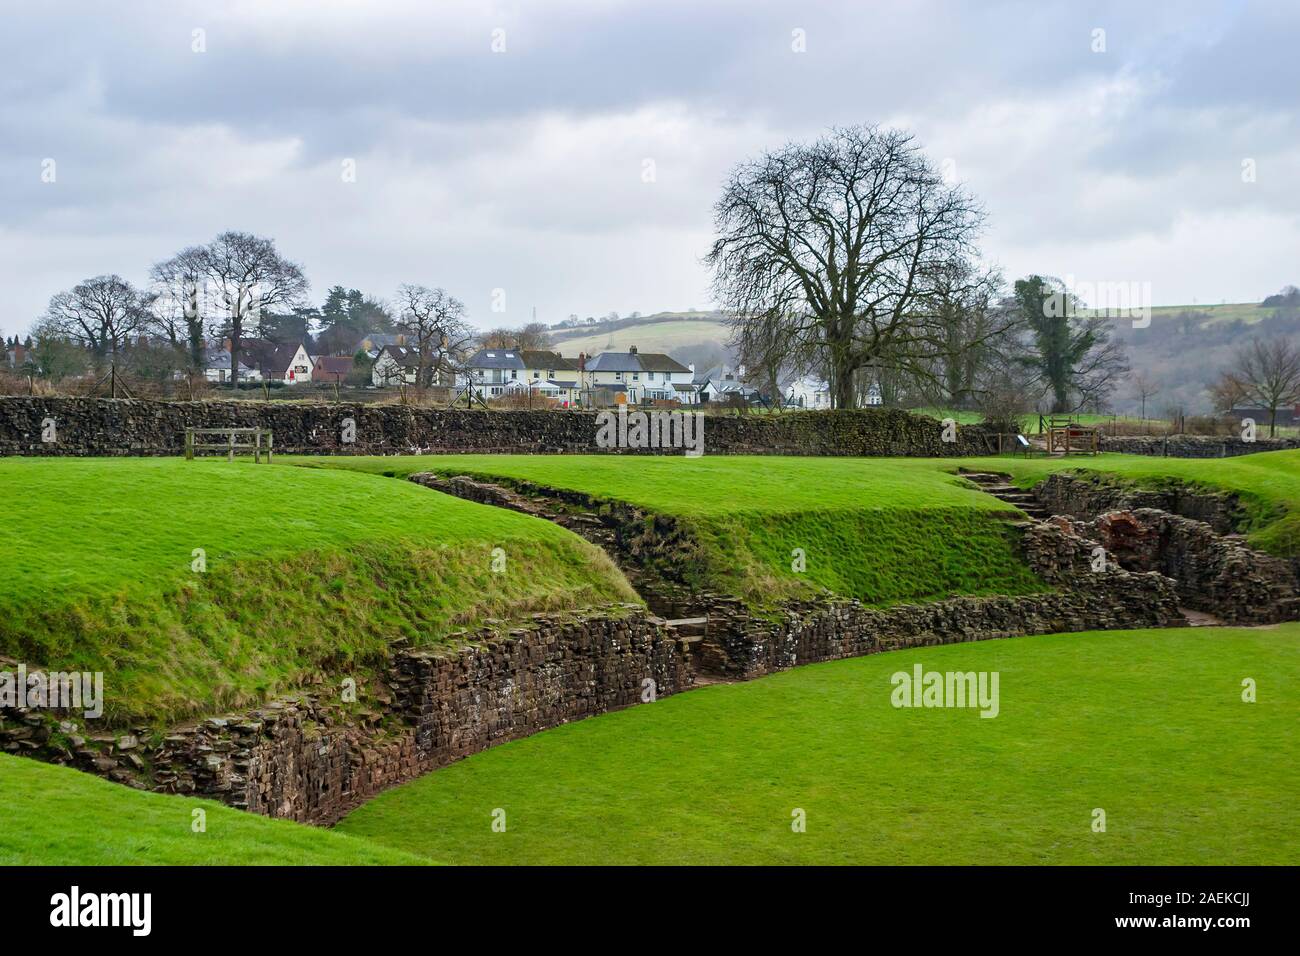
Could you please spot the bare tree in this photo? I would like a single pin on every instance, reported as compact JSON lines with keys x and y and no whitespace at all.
{"x":1227,"y":393}
{"x":973,"y":327}
{"x":839,"y":241}
{"x":1143,"y":387}
{"x":245,"y":275}
{"x":534,"y":336}
{"x":434,"y":322}
{"x":100,"y":314}
{"x":1268,"y":373}
{"x":177,"y":312}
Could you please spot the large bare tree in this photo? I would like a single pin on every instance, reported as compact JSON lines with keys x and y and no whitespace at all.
{"x":835,"y":246}
{"x":244,"y":275}
{"x":177,"y":312}
{"x":100,"y":314}
{"x":434,"y":322}
{"x":1267,"y":372}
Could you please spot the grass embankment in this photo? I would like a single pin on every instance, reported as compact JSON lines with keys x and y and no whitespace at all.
{"x":1148,"y":726}
{"x":307,"y":573}
{"x":1267,"y":484}
{"x":881,"y":530}
{"x":56,"y":816}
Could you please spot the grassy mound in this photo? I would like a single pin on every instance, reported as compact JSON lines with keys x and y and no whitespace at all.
{"x":1268,"y":485}
{"x":55,"y":816}
{"x":881,"y":530}
{"x":307,"y":573}
{"x":1148,"y":726}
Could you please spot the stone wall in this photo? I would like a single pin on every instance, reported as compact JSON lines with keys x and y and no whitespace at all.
{"x":1213,"y":573}
{"x":100,"y":426}
{"x":313,"y":758}
{"x":808,"y":632}
{"x":1092,"y":495}
{"x":1193,"y":446}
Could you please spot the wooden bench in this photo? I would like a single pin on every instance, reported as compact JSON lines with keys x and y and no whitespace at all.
{"x":260,"y":439}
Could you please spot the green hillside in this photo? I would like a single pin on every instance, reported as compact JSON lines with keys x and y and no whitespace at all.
{"x":305,"y":573}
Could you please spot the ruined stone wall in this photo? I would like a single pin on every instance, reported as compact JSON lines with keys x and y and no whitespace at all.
{"x":1090,"y":495}
{"x":1213,"y":573}
{"x":313,"y":758}
{"x":99,"y":426}
{"x":1193,"y":446}
{"x":830,"y":630}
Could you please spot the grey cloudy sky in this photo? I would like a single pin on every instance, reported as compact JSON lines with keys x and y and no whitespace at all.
{"x":523,"y":170}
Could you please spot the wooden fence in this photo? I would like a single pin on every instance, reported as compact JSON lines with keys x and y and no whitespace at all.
{"x":259,"y":440}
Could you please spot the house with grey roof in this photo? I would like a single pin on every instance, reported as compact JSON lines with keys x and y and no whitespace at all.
{"x":642,"y":376}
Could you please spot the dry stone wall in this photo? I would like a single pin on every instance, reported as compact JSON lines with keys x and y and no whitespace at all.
{"x":100,"y":426}
{"x":1193,"y":446}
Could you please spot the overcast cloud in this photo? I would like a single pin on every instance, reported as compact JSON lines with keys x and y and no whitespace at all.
{"x":523,"y":170}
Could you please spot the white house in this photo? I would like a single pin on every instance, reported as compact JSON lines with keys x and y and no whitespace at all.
{"x":809,"y":393}
{"x":394,"y":365}
{"x":642,"y":376}
{"x":216,"y":367}
{"x":495,"y":372}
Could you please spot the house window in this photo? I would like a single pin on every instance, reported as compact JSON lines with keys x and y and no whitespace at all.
{"x":618,"y":376}
{"x":649,"y":376}
{"x":514,"y":375}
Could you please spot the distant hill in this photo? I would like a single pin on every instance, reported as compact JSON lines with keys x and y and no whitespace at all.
{"x":689,"y":337}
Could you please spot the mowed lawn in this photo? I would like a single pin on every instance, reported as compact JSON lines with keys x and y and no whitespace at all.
{"x":56,"y":816}
{"x":1147,"y":726}
{"x":303,"y":573}
{"x":881,"y":530}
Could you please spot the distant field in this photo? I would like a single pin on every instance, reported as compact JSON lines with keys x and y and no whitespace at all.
{"x":651,"y":336}
{"x":1133,"y":723}
{"x":307,"y":572}
{"x":56,"y":816}
{"x":663,"y":334}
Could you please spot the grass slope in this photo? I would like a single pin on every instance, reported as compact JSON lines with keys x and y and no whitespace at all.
{"x":308,"y":572}
{"x":1267,"y":483}
{"x":56,"y":816}
{"x":1147,"y":725}
{"x":881,"y":530}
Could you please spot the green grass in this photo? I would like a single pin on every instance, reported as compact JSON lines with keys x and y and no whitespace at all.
{"x":308,"y":573}
{"x":1147,"y":725}
{"x":56,"y":816}
{"x":881,"y":530}
{"x":1268,"y":484}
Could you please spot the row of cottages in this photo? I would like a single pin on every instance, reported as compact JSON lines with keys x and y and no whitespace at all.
{"x":605,"y":379}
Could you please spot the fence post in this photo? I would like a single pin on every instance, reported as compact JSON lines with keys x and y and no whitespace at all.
{"x":189,"y":444}
{"x":231,"y":456}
